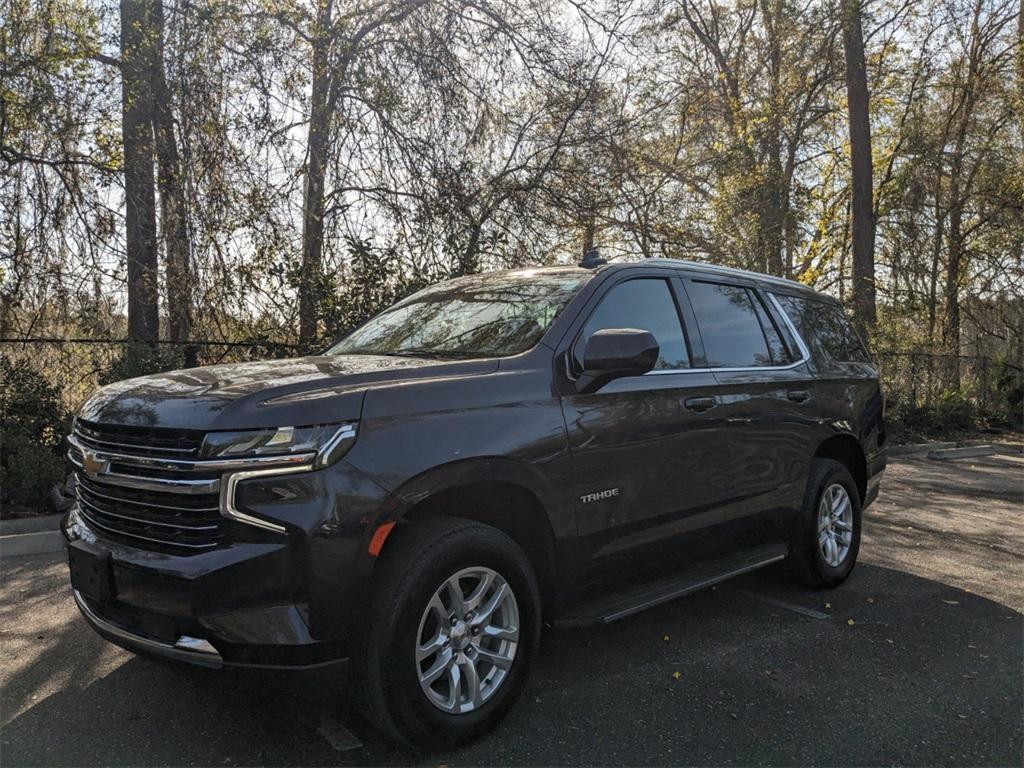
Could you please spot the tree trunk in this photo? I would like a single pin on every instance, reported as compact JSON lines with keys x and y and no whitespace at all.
{"x":772,"y":218}
{"x":589,"y":231}
{"x":313,"y":207}
{"x":959,"y":189}
{"x":1020,"y":68}
{"x":933,"y":277}
{"x":954,"y":259}
{"x":140,"y":204}
{"x":861,"y":208}
{"x":172,"y":199}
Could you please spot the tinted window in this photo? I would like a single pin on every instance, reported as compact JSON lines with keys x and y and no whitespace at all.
{"x":729,"y":326}
{"x":825,"y":329}
{"x":480,"y":316}
{"x":781,"y":354}
{"x":646,"y":304}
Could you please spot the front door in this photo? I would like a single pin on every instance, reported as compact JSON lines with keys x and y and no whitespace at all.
{"x":638,"y":445}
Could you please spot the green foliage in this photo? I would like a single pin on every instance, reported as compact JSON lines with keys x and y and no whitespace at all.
{"x":371,"y":280}
{"x":142,"y":360}
{"x":33,"y":423}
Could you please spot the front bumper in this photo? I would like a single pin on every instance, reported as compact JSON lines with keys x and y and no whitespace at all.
{"x":877,"y":463}
{"x":188,"y":649}
{"x":263,"y":599}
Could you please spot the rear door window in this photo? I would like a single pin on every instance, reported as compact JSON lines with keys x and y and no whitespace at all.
{"x":646,"y":304}
{"x":736,"y":331}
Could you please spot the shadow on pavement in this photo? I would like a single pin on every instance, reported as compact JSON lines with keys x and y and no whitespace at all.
{"x":925,"y":674}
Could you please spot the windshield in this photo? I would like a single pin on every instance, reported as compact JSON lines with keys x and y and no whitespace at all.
{"x":478,"y":316}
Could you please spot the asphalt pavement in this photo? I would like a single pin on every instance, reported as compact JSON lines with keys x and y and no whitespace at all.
{"x":916,"y":660}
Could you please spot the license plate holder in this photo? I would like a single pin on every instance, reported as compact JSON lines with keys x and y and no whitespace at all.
{"x":91,"y":571}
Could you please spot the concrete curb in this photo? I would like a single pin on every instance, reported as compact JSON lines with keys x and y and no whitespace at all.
{"x":968,"y":452}
{"x":31,"y":536}
{"x":1009,"y":449}
{"x":915,"y":449}
{"x":40,"y":543}
{"x":35,"y":524}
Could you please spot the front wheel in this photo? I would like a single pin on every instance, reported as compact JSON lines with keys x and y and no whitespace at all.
{"x":827,"y":539}
{"x":453,"y":629}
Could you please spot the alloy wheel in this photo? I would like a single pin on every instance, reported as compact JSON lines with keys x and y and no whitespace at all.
{"x":467,"y":640}
{"x":835,"y":525}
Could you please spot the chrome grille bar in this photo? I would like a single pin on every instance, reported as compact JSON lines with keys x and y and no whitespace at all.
{"x":118,"y":531}
{"x":123,"y":500}
{"x":160,"y":485}
{"x":149,"y":485}
{"x":196,"y":465}
{"x":91,"y":506}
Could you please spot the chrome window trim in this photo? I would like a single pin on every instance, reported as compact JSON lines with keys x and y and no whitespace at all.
{"x":227,"y":495}
{"x":804,"y":350}
{"x":805,"y":354}
{"x":753,"y":368}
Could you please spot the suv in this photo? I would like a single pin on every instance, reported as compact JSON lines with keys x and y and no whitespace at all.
{"x":566,"y":445}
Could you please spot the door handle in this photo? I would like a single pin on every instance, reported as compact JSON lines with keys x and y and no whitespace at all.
{"x":700,"y":404}
{"x":798,"y":395}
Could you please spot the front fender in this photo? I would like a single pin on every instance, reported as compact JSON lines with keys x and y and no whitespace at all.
{"x":482,"y":469}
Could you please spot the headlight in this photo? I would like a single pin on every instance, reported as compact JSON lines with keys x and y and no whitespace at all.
{"x":328,"y":441}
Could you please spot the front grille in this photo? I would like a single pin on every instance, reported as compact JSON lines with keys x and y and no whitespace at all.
{"x":143,"y":441}
{"x":149,"y":494}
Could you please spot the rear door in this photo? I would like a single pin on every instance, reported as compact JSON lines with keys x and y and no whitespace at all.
{"x":847,"y":387}
{"x":765,"y":406}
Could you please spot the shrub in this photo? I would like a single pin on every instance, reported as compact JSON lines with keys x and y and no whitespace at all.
{"x":140,"y":360}
{"x":33,"y":423}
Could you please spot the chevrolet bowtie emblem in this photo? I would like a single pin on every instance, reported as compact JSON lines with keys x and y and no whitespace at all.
{"x":92,"y":464}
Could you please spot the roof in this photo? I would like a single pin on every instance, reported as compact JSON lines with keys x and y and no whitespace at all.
{"x":714,"y":269}
{"x":694,"y":266}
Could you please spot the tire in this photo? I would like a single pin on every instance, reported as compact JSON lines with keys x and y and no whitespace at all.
{"x":419,"y":560}
{"x":808,"y":559}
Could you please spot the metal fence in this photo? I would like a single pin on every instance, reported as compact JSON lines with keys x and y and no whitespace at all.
{"x":78,"y":366}
{"x":918,"y":383}
{"x":915,"y":382}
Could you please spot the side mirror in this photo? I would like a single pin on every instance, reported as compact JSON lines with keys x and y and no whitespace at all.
{"x":613,"y":353}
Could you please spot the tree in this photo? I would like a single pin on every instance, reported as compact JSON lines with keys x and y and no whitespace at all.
{"x":861,"y":201}
{"x":984,"y":64}
{"x":173,"y":211}
{"x":137,"y":51}
{"x":335,"y":43}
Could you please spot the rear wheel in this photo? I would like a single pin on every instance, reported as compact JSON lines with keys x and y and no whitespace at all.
{"x":453,"y":629}
{"x":827,"y":539}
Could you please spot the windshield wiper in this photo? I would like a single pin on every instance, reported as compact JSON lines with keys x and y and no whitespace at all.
{"x":433,"y":354}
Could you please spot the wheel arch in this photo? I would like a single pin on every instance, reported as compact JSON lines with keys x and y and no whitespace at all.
{"x":501,"y":493}
{"x":847,"y":450}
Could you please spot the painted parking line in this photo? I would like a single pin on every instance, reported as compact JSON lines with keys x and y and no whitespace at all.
{"x":337,"y":735}
{"x":781,"y":603}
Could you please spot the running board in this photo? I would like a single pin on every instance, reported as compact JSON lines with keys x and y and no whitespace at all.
{"x":698,"y":576}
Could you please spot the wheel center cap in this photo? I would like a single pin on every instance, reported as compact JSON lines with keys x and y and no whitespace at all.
{"x":460,"y":635}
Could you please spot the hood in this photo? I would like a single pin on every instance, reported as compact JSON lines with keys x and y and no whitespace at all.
{"x":319,"y":389}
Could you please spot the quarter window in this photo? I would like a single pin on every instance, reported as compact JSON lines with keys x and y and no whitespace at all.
{"x":647,"y":304}
{"x":731,"y":328}
{"x":826,"y":329}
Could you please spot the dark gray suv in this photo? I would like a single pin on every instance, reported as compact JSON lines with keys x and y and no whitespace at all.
{"x":566,"y":445}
